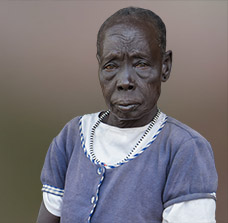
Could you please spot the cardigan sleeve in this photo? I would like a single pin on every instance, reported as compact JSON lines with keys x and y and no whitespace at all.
{"x":58,"y":157}
{"x":191,"y":174}
{"x":54,"y":169}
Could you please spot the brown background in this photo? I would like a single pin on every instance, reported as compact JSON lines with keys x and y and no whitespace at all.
{"x":49,"y":75}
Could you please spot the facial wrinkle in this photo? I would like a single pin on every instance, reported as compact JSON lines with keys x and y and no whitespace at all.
{"x":127,"y":44}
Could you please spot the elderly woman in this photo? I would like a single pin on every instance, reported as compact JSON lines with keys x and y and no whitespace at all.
{"x":131,"y":163}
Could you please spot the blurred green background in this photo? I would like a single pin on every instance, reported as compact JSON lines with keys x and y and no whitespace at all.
{"x":48,"y":74}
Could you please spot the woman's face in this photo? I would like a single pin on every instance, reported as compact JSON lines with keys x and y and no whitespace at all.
{"x":130,"y":74}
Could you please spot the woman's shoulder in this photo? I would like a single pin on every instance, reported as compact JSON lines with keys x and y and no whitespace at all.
{"x":177,"y":129}
{"x":73,"y":125}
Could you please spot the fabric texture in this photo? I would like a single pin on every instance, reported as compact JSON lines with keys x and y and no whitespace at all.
{"x":197,"y":211}
{"x":178,"y":166}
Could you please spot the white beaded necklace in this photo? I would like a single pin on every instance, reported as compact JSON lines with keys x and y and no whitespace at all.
{"x":136,"y":145}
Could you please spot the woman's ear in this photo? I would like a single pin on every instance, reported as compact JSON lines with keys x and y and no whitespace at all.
{"x":166,"y":65}
{"x":98,"y":58}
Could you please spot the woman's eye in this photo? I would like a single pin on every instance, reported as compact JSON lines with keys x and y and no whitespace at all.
{"x":110,"y":67}
{"x":141,"y":65}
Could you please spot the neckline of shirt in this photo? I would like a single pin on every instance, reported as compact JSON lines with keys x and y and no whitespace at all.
{"x":87,"y":121}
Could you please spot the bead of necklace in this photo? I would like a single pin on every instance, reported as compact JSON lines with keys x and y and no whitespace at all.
{"x":150,"y":126}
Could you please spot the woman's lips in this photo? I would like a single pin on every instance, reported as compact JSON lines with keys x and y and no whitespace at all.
{"x":126,"y":107}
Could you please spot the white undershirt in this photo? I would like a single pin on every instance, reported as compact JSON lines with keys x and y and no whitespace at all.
{"x":112,"y":144}
{"x":112,"y":151}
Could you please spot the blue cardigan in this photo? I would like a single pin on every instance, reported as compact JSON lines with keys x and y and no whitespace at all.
{"x":178,"y":166}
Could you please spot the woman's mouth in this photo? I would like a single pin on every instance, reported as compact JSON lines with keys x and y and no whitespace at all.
{"x":126,"y":107}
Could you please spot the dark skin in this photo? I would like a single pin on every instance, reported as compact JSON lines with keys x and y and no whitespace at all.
{"x":131,"y":69}
{"x":45,"y":216}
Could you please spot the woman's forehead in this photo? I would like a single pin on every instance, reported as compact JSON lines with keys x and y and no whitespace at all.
{"x":131,"y":38}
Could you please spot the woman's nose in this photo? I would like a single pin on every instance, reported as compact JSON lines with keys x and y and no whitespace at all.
{"x":125,"y":80}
